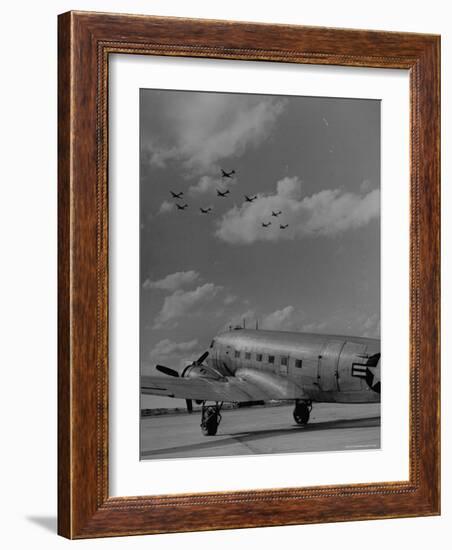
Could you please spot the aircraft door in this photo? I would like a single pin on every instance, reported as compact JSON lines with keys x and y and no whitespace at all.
{"x":328,"y":365}
{"x":284,"y":365}
{"x":224,"y":359}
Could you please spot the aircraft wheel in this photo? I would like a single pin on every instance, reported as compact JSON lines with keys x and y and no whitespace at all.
{"x":210,"y":420}
{"x":210,"y":425}
{"x":301,"y":413}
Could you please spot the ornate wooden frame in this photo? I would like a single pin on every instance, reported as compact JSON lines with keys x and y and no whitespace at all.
{"x":85,"y":42}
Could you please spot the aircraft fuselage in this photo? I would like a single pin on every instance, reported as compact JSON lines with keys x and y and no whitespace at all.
{"x":316,"y":367}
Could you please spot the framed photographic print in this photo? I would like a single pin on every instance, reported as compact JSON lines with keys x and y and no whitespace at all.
{"x":248,"y":275}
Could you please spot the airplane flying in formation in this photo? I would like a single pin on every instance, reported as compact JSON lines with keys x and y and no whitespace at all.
{"x":176,"y":195}
{"x":266,"y":224}
{"x":277,"y":213}
{"x":281,"y":226}
{"x":245,"y":365}
{"x":223,"y":193}
{"x":250,"y":199}
{"x":181,"y":206}
{"x":225,"y":174}
{"x":206,"y":210}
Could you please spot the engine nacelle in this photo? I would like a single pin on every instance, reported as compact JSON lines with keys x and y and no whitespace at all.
{"x":202,"y":371}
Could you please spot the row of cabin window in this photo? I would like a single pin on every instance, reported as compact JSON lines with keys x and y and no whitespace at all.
{"x":271,"y":358}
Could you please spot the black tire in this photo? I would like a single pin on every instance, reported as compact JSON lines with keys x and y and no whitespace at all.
{"x":210,"y":426}
{"x":301,"y":414}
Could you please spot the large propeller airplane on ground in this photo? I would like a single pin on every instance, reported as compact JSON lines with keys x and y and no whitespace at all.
{"x":245,"y":365}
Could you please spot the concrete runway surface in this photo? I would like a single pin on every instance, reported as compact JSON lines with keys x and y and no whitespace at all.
{"x":263,"y":430}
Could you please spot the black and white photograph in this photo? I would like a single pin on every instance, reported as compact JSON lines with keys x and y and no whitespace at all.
{"x":260,"y":274}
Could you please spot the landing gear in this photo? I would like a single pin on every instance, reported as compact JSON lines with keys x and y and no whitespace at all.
{"x":302,"y":411}
{"x":210,"y":418}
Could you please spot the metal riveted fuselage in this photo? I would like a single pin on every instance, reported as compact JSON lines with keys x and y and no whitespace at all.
{"x":323,"y":368}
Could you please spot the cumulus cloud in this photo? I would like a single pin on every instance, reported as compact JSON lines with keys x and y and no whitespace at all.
{"x":203,"y":129}
{"x":173,"y":281}
{"x":183,"y":302}
{"x":287,"y":318}
{"x":290,"y":318}
{"x":210,"y":184}
{"x":175,"y":353}
{"x":281,"y":319}
{"x":326,"y":213}
{"x":230,"y":299}
{"x":352,"y":323}
{"x":249,"y":316}
{"x":371,"y":326}
{"x":167,"y":347}
{"x":289,"y":188}
{"x":166,"y":207}
{"x":314,"y":326}
{"x":366,"y":186}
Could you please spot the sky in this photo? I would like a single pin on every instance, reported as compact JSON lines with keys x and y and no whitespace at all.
{"x":317,"y":160}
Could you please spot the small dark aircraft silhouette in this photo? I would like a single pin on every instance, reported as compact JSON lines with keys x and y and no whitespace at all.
{"x":223,"y":193}
{"x":250,"y":199}
{"x":181,"y":206}
{"x":266,"y":224}
{"x":205,"y":210}
{"x":176,"y":195}
{"x":225,"y":174}
{"x":276,"y":214}
{"x":283,"y":226}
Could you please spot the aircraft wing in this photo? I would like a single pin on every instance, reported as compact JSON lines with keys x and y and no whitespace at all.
{"x":247,"y":386}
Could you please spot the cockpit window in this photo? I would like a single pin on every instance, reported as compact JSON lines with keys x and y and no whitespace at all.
{"x":271,"y":358}
{"x":248,"y":355}
{"x":237,"y":353}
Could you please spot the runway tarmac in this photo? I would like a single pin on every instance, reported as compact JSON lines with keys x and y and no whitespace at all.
{"x":263,"y":430}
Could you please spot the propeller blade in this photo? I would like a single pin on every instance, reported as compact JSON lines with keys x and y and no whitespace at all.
{"x":201,"y":359}
{"x":189,"y":403}
{"x":167,"y":370}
